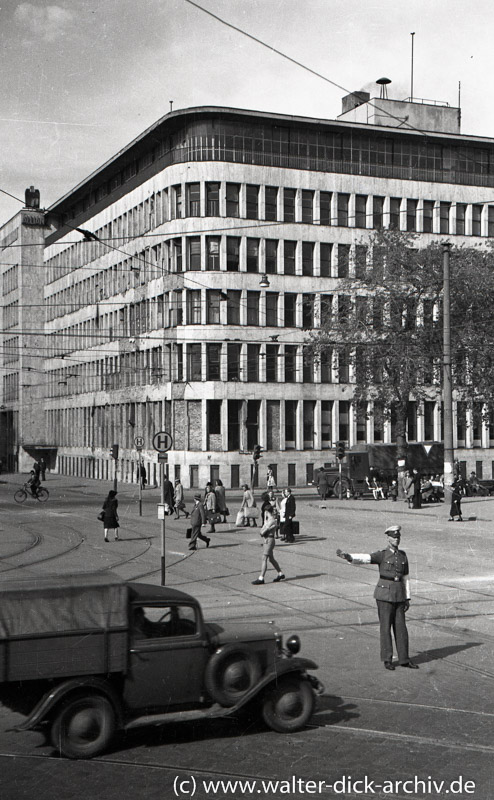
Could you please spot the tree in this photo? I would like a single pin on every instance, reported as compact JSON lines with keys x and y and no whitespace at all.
{"x":387,"y":326}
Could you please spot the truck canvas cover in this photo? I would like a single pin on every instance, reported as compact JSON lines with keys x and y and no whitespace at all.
{"x":60,"y":626}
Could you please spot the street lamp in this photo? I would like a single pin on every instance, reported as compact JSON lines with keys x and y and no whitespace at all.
{"x":264,"y":282}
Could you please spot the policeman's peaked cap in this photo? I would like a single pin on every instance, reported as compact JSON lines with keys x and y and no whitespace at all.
{"x":393,"y":529}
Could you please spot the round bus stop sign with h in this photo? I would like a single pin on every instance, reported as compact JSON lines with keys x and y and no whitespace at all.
{"x":162,"y":441}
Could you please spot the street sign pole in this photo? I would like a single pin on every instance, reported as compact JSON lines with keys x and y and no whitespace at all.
{"x":163,"y":536}
{"x":115,"y":479}
{"x":140,"y":485}
{"x":162,"y":442}
{"x":139,"y":443}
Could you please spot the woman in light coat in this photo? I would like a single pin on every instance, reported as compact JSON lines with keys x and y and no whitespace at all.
{"x":248,"y":501}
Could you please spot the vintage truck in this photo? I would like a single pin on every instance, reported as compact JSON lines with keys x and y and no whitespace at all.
{"x":87,"y":655}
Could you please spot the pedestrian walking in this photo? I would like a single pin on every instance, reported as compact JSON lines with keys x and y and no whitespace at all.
{"x":267,"y":533}
{"x":221,"y":505}
{"x":270,"y":481}
{"x":210,"y":503}
{"x":455,"y":510}
{"x":288,"y":508}
{"x":322,"y":483}
{"x":142,"y":475}
{"x":248,"y":503}
{"x":42,"y":468}
{"x":392,"y":595}
{"x":167,"y":494}
{"x":110,"y":515}
{"x":178,"y":500}
{"x":197,"y":519}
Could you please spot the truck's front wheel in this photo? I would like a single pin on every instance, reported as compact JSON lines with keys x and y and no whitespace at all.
{"x":288,"y":706}
{"x":83,"y":727}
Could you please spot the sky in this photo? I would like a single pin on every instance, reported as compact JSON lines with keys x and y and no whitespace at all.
{"x":82,"y":78}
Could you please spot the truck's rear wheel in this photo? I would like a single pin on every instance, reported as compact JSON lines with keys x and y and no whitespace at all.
{"x":346,"y":488}
{"x":83,"y":727}
{"x":288,"y":706}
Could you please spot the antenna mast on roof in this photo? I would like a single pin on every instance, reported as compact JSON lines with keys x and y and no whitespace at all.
{"x":411,"y":74}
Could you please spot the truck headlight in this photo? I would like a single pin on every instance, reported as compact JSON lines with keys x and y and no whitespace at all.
{"x":293,"y":644}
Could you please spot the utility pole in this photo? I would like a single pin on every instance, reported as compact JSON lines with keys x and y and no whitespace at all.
{"x":447,"y":384}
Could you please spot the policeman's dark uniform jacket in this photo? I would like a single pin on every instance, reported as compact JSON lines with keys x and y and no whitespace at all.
{"x":392,"y":595}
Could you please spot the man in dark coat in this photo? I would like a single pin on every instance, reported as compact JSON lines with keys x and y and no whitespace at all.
{"x":290,"y":508}
{"x":168,"y":494}
{"x":197,"y":519}
{"x":417,"y":489}
{"x":392,"y":595}
{"x":322,"y":483}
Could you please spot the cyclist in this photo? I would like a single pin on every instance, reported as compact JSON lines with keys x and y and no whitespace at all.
{"x":34,"y":483}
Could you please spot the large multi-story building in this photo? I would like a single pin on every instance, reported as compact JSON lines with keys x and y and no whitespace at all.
{"x":182,"y":276}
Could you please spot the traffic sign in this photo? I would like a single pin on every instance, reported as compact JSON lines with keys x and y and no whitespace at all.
{"x":139,"y":441}
{"x":162,"y":458}
{"x":162,"y":441}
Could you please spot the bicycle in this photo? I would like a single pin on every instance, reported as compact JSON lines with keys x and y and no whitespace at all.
{"x":41,"y":495}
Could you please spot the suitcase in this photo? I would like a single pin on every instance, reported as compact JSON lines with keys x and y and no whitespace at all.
{"x":295,"y":527}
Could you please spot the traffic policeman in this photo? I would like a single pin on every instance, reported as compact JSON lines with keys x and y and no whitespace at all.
{"x":392,"y":595}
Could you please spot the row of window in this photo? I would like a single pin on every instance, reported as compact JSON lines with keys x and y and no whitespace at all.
{"x":282,"y":204}
{"x":204,"y":307}
{"x":287,"y":424}
{"x":273,"y":203}
{"x":307,"y":311}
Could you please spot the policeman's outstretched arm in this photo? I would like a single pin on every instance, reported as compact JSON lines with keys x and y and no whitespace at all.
{"x":354,"y":558}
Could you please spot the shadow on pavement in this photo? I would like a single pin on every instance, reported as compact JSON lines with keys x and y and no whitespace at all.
{"x":331,"y":709}
{"x":443,"y":652}
{"x":301,"y":539}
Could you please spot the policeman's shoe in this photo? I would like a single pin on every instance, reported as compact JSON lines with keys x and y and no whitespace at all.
{"x":410,"y":665}
{"x":389,"y":665}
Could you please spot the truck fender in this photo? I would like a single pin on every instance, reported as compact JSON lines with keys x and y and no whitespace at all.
{"x":74,"y":686}
{"x":284,"y":666}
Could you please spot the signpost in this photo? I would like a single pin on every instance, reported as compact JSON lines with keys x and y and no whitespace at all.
{"x":139,"y":444}
{"x":162,"y":441}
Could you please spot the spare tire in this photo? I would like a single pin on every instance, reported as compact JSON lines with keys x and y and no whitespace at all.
{"x":230,"y":673}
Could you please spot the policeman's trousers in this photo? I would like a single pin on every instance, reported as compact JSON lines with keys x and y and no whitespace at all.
{"x":392,"y":618}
